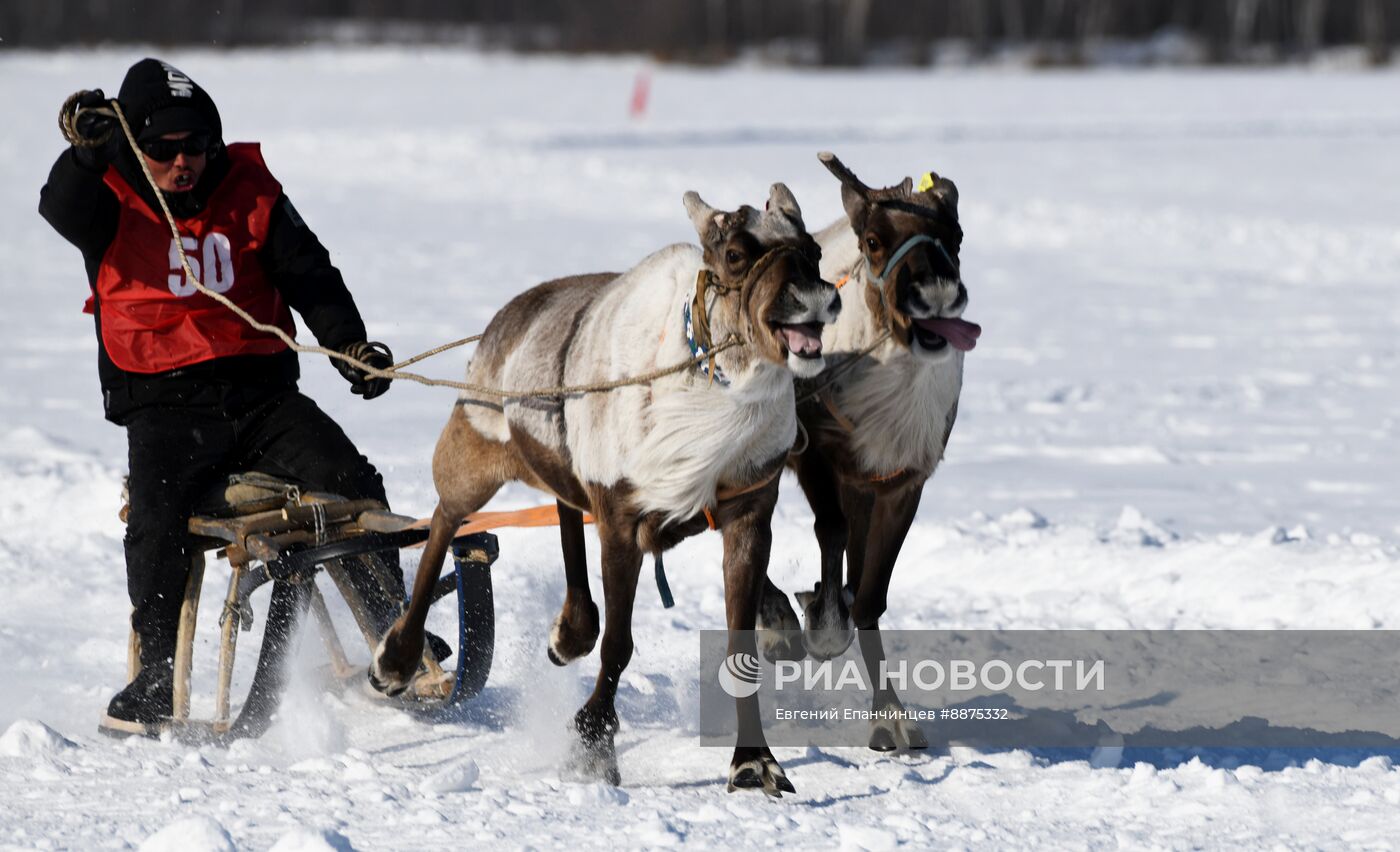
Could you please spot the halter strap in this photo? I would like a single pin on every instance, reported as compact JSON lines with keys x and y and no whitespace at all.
{"x":696,"y":321}
{"x":904,"y":249}
{"x":695,"y":312}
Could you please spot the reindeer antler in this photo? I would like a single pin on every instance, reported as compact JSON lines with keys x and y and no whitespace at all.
{"x":702,"y":215}
{"x":843,"y":174}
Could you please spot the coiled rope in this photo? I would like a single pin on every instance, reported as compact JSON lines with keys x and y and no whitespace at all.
{"x":67,"y":122}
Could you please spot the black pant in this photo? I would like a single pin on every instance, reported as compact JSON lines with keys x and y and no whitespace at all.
{"x":177,"y":455}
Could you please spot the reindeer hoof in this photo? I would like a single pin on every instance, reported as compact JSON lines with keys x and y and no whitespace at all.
{"x":828,"y":644}
{"x":594,"y":760}
{"x":594,"y":754}
{"x":760,"y":773}
{"x":895,"y":734}
{"x":569,"y":640}
{"x":827,"y":631}
{"x":387,"y":685}
{"x":589,"y":762}
{"x":779,"y":631}
{"x":385,"y":672}
{"x":781,"y":645}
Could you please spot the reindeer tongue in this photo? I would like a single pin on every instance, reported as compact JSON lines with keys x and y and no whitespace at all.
{"x":959,"y":333}
{"x":803,"y":340}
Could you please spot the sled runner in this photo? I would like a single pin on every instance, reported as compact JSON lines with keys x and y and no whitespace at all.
{"x":270,"y":531}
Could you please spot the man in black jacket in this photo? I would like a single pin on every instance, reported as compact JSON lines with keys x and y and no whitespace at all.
{"x":201,"y":393}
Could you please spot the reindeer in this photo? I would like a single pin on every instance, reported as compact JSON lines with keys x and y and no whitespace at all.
{"x":653,"y":463}
{"x":880,"y":418}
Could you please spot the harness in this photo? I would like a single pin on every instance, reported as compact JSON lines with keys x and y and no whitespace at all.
{"x":695,"y":316}
{"x":877,"y":281}
{"x":903,"y":250}
{"x":696,"y":322}
{"x":697,"y":331}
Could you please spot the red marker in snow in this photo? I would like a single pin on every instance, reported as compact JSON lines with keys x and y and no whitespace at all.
{"x":641,"y":91}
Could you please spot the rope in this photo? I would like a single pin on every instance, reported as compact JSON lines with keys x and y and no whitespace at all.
{"x":436,"y":351}
{"x":806,"y":440}
{"x":696,"y":311}
{"x":67,"y":123}
{"x":835,"y":373}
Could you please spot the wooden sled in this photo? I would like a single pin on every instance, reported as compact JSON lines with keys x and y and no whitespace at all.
{"x":271,"y":531}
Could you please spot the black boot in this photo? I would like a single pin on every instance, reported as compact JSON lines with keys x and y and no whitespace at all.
{"x":147,"y":700}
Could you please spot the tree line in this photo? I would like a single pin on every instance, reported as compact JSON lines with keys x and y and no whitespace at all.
{"x":815,"y":32}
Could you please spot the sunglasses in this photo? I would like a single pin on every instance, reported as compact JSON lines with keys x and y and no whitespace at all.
{"x":165,"y":150}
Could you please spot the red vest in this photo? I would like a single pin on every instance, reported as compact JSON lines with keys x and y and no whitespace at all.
{"x":152,"y":318}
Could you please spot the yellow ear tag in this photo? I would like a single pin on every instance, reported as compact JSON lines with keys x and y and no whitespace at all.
{"x":926,"y":182}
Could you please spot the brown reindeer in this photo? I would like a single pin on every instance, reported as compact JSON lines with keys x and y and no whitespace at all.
{"x":654,"y":463}
{"x":880,"y":418}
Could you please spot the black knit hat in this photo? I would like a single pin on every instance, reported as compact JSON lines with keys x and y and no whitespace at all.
{"x":158,"y":99}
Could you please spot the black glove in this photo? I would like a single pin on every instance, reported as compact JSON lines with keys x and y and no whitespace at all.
{"x":99,"y":129}
{"x":90,"y":124}
{"x":376,"y":355}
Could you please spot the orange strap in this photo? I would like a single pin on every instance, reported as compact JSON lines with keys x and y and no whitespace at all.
{"x":548,"y":516}
{"x":842,"y":282}
{"x":535,"y":516}
{"x":726,"y":494}
{"x":887,"y":477}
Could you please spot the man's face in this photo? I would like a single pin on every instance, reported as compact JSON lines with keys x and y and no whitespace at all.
{"x":181,"y":173}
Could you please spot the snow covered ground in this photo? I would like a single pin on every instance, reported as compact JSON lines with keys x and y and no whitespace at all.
{"x":1183,"y":413}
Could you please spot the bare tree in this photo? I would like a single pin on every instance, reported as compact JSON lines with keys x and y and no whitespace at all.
{"x":751,"y":20}
{"x":1309,"y":16}
{"x":1373,"y":32}
{"x":840,"y":31}
{"x":854,"y":29}
{"x":1092,"y":23}
{"x":717,"y":26}
{"x":974,"y":13}
{"x":1013,"y":21}
{"x":1244,"y":14}
{"x":1051,"y":21}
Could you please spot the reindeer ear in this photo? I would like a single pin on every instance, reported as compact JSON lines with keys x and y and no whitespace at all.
{"x":702,"y":215}
{"x":945,"y":192}
{"x":781,"y":199}
{"x":856,"y":207}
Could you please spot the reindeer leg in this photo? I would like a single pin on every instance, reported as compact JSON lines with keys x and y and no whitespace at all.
{"x":395,"y":661}
{"x":748,"y":540}
{"x":859,"y":506}
{"x":576,"y":629}
{"x":887,"y":733}
{"x":468,"y":469}
{"x":826,"y":612}
{"x":890,"y":521}
{"x":780,"y":633}
{"x":595,"y":755}
{"x":827,"y":622}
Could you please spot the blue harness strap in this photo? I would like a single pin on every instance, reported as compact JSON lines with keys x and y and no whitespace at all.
{"x":904,"y":249}
{"x":698,"y":350}
{"x":663,"y":588}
